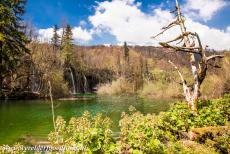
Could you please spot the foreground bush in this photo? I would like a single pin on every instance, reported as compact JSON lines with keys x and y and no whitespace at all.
{"x":177,"y":131}
{"x":89,"y":134}
{"x":210,"y":113}
{"x":169,"y":131}
{"x":141,"y":134}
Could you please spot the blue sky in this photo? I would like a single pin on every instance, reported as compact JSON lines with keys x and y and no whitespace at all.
{"x":46,"y":13}
{"x":85,"y":17}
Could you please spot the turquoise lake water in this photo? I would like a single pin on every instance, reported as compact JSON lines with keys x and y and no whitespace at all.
{"x":21,"y":118}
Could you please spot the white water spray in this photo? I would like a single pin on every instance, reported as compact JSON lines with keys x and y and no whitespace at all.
{"x":73,"y":81}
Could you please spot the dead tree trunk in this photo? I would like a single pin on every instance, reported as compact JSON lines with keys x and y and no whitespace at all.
{"x":191,"y":44}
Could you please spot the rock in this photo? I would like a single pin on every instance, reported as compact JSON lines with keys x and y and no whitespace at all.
{"x":204,"y":133}
{"x":193,"y":136}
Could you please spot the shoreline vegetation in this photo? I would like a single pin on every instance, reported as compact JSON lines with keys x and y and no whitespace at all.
{"x":62,"y":69}
{"x":177,"y":130}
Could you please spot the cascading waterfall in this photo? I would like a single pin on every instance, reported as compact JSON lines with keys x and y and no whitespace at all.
{"x":73,"y":81}
{"x":85,"y":83}
{"x":33,"y":81}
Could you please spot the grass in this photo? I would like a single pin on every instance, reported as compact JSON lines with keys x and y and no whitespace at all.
{"x":117,"y":87}
{"x":160,"y":90}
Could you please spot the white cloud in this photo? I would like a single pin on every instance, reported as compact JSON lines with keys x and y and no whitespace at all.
{"x":228,"y":29}
{"x":82,"y":23}
{"x":79,"y":34}
{"x":44,"y":35}
{"x":214,"y":38}
{"x":204,"y":9}
{"x":124,"y":20}
{"x":128,"y":23}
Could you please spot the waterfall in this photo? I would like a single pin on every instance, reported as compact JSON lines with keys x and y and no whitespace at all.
{"x":73,"y":81}
{"x":85,"y":84}
{"x":33,"y":82}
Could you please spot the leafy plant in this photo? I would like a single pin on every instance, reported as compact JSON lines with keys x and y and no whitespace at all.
{"x":140,"y":133}
{"x":89,"y":134}
{"x":210,"y":113}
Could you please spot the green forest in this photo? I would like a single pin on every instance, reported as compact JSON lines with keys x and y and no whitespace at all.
{"x":130,"y":99}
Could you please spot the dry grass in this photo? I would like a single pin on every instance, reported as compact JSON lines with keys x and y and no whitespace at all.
{"x":118,"y":87}
{"x":160,"y":90}
{"x":218,"y":82}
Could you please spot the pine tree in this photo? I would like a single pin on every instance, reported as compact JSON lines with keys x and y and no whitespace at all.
{"x":12,"y":39}
{"x":126,"y":60}
{"x":67,"y":45}
{"x":55,"y":39}
{"x":126,"y":52}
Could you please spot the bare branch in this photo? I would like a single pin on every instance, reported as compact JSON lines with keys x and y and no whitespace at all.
{"x":180,"y":41}
{"x":181,"y":77}
{"x":214,"y":57}
{"x":180,"y":37}
{"x":183,"y":49}
{"x":177,"y":38}
{"x":198,"y":38}
{"x":186,"y":89}
{"x":174,"y":11}
{"x":172,"y":24}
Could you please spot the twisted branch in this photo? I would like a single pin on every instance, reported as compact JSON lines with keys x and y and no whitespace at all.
{"x":214,"y":57}
{"x":184,"y":49}
{"x":172,"y":24}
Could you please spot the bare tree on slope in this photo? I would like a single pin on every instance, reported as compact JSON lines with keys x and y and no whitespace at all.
{"x":191,"y":44}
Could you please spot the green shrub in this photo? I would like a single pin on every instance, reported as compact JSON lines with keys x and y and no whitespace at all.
{"x":90,"y":134}
{"x":145,"y":133}
{"x":210,"y":113}
{"x":140,"y":134}
{"x":213,"y":113}
{"x":190,"y":147}
{"x":227,"y":95}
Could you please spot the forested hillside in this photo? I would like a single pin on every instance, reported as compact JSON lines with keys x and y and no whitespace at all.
{"x":98,"y":67}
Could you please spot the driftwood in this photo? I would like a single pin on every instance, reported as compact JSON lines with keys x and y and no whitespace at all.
{"x":193,"y":46}
{"x":52,"y":103}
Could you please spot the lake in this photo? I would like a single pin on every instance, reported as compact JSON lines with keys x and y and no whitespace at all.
{"x":21,"y":118}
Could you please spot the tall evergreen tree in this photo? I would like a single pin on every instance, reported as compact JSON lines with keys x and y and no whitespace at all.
{"x":67,"y":45}
{"x":12,"y":39}
{"x":125,"y":67}
{"x":56,"y":38}
{"x":126,"y":52}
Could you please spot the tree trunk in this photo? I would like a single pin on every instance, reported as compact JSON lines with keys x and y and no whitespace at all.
{"x":191,"y":45}
{"x":191,"y":96}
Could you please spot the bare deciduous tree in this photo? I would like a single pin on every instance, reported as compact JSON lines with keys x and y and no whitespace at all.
{"x":191,"y":44}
